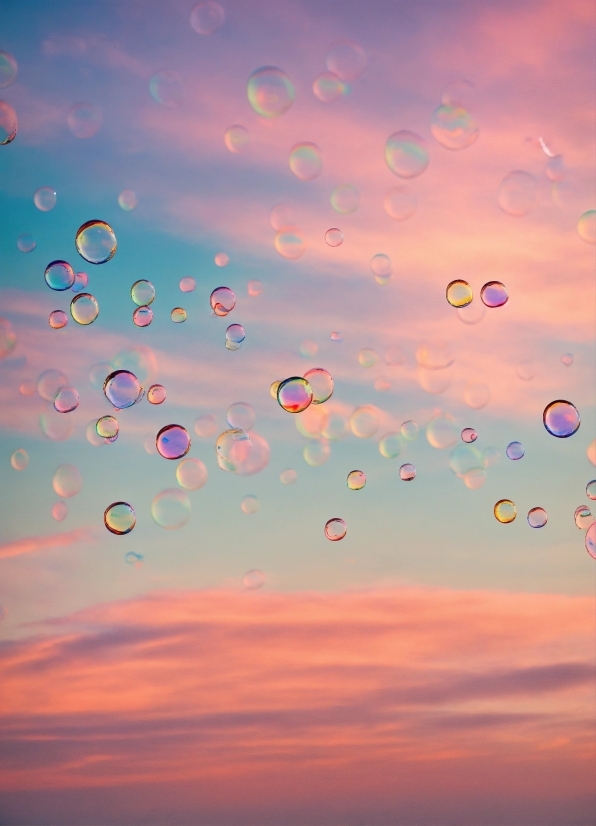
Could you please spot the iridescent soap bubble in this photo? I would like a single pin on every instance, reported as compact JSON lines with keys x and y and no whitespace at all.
{"x":8,"y":69}
{"x":187,"y":284}
{"x":270,"y":92}
{"x":476,"y":395}
{"x":236,"y":138}
{"x":321,"y":384}
{"x":317,"y":452}
{"x":235,"y":336}
{"x":441,"y":432}
{"x":526,"y":370}
{"x":305,"y":161}
{"x":84,"y":120}
{"x":232,"y":448}
{"x":107,"y":427}
{"x":67,"y":481}
{"x":345,"y":199}
{"x":586,"y":227}
{"x":555,"y":169}
{"x":494,"y":294}
{"x":142,"y":316}
{"x":172,"y":441}
{"x":9,"y":123}
{"x":281,"y":216}
{"x":95,"y":242}
{"x":567,"y":359}
{"x":334,"y":237}
{"x":468,"y":435}
{"x":308,"y":348}
{"x":312,"y":422}
{"x":178,"y":315}
{"x":406,"y":154}
{"x":139,"y":360}
{"x":58,"y":319}
{"x":356,"y":480}
{"x":395,"y":356}
{"x":222,"y":301}
{"x":391,"y":445}
{"x":346,"y":59}
{"x":591,"y":540}
{"x":55,"y":426}
{"x":170,"y":509}
{"x":289,"y":242}
{"x":453,"y":126}
{"x":221,"y":259}
{"x":127,"y":200}
{"x":45,"y":198}
{"x":119,"y":518}
{"x":66,"y":400}
{"x":518,"y":193}
{"x":49,"y":382}
{"x":409,"y":430}
{"x":59,"y":275}
{"x":59,"y":511}
{"x":142,"y":293}
{"x":591,"y":452}
{"x":156,"y":394}
{"x":465,"y":457}
{"x":241,"y":415}
{"x":336,"y":336}
{"x":434,"y":355}
{"x":459,"y":293}
{"x":254,"y":287}
{"x":505,"y":511}
{"x":474,"y":478}
{"x":407,"y":472}
{"x":364,"y":421}
{"x":167,"y":89}
{"x":250,"y":504}
{"x":367,"y":357}
{"x":328,"y":87}
{"x":537,"y":518}
{"x":19,"y":459}
{"x":205,"y":426}
{"x":84,"y":308}
{"x":380,"y":266}
{"x":472,"y":314}
{"x":591,"y":489}
{"x":122,"y":389}
{"x":81,"y":281}
{"x":288,"y":476}
{"x":256,"y":458}
{"x":93,"y":437}
{"x":191,"y":473}
{"x":561,"y":419}
{"x":335,"y":529}
{"x":207,"y":17}
{"x":294,"y":394}
{"x":583,"y":517}
{"x":515,"y":451}
{"x":26,"y":242}
{"x":400,"y":203}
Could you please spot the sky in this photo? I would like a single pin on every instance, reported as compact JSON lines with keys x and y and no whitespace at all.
{"x":435,"y":666}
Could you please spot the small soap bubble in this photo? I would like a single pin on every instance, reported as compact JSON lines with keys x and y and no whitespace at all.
{"x":356,"y":480}
{"x":345,"y":199}
{"x":8,"y":69}
{"x":49,"y":382}
{"x":67,"y":481}
{"x":335,"y":529}
{"x":494,"y":294}
{"x":127,"y":200}
{"x":567,"y":359}
{"x":132,"y":558}
{"x":178,"y":315}
{"x":561,"y":419}
{"x":334,"y":237}
{"x":59,"y":275}
{"x":591,"y":489}
{"x":368,"y":358}
{"x":235,"y":336}
{"x":391,"y":445}
{"x":122,"y":389}
{"x":380,"y":266}
{"x":346,"y":59}
{"x":26,"y":242}
{"x":288,"y":476}
{"x":515,"y":451}
{"x":187,"y":284}
{"x":395,"y":356}
{"x":55,"y":426}
{"x":336,"y":336}
{"x":526,"y":370}
{"x":222,"y":301}
{"x":236,"y":138}
{"x":254,"y":288}
{"x":45,"y":198}
{"x":586,"y":227}
{"x":207,"y":17}
{"x":441,"y":432}
{"x":407,"y":472}
{"x":107,"y":427}
{"x":316,"y":452}
{"x":505,"y":511}
{"x":591,"y":540}
{"x":472,"y":314}
{"x":476,"y":395}
{"x":537,"y":518}
{"x":465,"y":457}
{"x":66,"y":400}
{"x":281,"y":216}
{"x":250,"y":504}
{"x":364,"y":421}
{"x":327,"y":87}
{"x":173,"y":441}
{"x":474,"y":478}
{"x":306,"y":161}
{"x":409,"y":430}
{"x":253,"y":580}
{"x":156,"y":394}
{"x":221,"y":259}
{"x":142,"y":316}
{"x":170,"y":509}
{"x":142,"y":293}
{"x":583,"y":517}
{"x":459,"y":293}
{"x":191,"y":473}
{"x":27,"y":388}
{"x":468,"y":435}
{"x":241,"y":415}
{"x":95,"y":241}
{"x":400,"y":203}
{"x":453,"y":126}
{"x":167,"y":89}
{"x":80,"y":282}
{"x":58,"y":319}
{"x":119,"y":518}
{"x":59,"y":511}
{"x":321,"y":384}
{"x":518,"y":193}
{"x":289,"y":242}
{"x":233,"y":448}
{"x":19,"y":459}
{"x":84,"y":120}
{"x":84,"y":308}
{"x":270,"y":92}
{"x":406,"y":154}
{"x":294,"y":394}
{"x":591,"y":452}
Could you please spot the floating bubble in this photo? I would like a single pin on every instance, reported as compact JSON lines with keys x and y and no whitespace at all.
{"x":241,"y":415}
{"x":591,"y":489}
{"x":187,"y":284}
{"x":591,"y":540}
{"x":312,"y":422}
{"x":561,"y":419}
{"x":98,"y":373}
{"x":236,"y":138}
{"x":356,"y":480}
{"x":305,"y":161}
{"x":321,"y":384}
{"x":233,"y":447}
{"x":139,"y":360}
{"x":191,"y":473}
{"x":58,"y":319}
{"x":27,"y":387}
{"x":567,"y":359}
{"x":8,"y":69}
{"x":294,"y":394}
{"x":407,"y":472}
{"x":55,"y":426}
{"x":434,"y":356}
{"x":173,"y":441}
{"x":518,"y":193}
{"x":586,"y":226}
{"x":526,"y":370}
{"x":127,"y":200}
{"x":122,"y":389}
{"x":409,"y":430}
{"x":494,"y":294}
{"x":49,"y":383}
{"x":119,"y":518}
{"x":142,"y":316}
{"x":289,"y":243}
{"x":84,"y":120}
{"x":221,"y":259}
{"x":170,"y":509}
{"x":380,"y":266}
{"x":505,"y":511}
{"x":459,"y":293}
{"x":334,"y":237}
{"x":308,"y":348}
{"x":142,"y":293}
{"x":131,"y":558}
{"x":167,"y":89}
{"x":591,"y":452}
{"x":67,"y":481}
{"x":270,"y":92}
{"x":59,"y":275}
{"x":235,"y":336}
{"x":465,"y":457}
{"x":95,"y":242}
{"x":84,"y":308}
{"x":476,"y":395}
{"x":453,"y":126}
{"x":368,"y":358}
{"x":256,"y":459}
{"x":19,"y":459}
{"x":335,"y":529}
{"x":537,"y":518}
{"x":458,"y":91}
{"x":364,"y":421}
{"x":406,"y":154}
{"x":336,"y":336}
{"x":45,"y":198}
{"x":81,"y":281}
{"x":441,"y":432}
{"x":345,"y":199}
{"x":583,"y":517}
{"x":253,"y":580}
{"x":26,"y":242}
{"x":474,"y":478}
{"x":328,"y":87}
{"x":468,"y":435}
{"x":222,"y":301}
{"x":93,"y":437}
{"x":288,"y":476}
{"x":400,"y":203}
{"x":317,"y":452}
{"x":472,"y":314}
{"x":149,"y":444}
{"x":515,"y":451}
{"x":107,"y":427}
{"x":250,"y":504}
{"x":178,"y":315}
{"x":8,"y":123}
{"x":207,"y":17}
{"x":156,"y":394}
{"x":67,"y":400}
{"x":274,"y":388}
{"x":346,"y":59}
{"x":59,"y":511}
{"x":254,"y":288}
{"x":555,"y":168}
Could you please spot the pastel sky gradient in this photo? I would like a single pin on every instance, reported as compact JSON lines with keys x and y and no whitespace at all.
{"x":434,"y":667}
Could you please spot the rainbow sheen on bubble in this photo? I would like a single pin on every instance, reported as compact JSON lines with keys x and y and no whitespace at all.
{"x":294,"y":394}
{"x":321,"y":384}
{"x":142,"y":292}
{"x":19,"y":459}
{"x":345,"y":199}
{"x":391,"y":445}
{"x":122,"y":389}
{"x":95,"y":241}
{"x":364,"y":421}
{"x":406,"y":154}
{"x":453,"y":126}
{"x":191,"y":473}
{"x":586,"y":226}
{"x":459,"y":293}
{"x":107,"y":427}
{"x":381,"y":268}
{"x":127,"y":200}
{"x":407,"y":472}
{"x":57,"y":319}
{"x":59,"y":276}
{"x":270,"y":92}
{"x":178,"y":315}
{"x":119,"y":518}
{"x":537,"y":517}
{"x":356,"y":480}
{"x":233,"y":448}
{"x":8,"y":69}
{"x":505,"y":511}
{"x":236,"y":138}
{"x":66,"y":400}
{"x":222,"y":301}
{"x":289,"y":242}
{"x":167,"y":89}
{"x":156,"y":394}
{"x":235,"y":335}
{"x":306,"y":161}
{"x":84,"y":308}
{"x":561,"y":419}
{"x":142,"y":316}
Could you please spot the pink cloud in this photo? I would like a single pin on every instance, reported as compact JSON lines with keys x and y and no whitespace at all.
{"x":33,"y":544}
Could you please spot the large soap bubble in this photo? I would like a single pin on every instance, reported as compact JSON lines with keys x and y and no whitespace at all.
{"x":207,"y":17}
{"x":406,"y":154}
{"x":96,"y":242}
{"x":270,"y":92}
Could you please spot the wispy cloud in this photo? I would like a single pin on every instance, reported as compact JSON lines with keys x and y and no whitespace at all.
{"x":33,"y":544}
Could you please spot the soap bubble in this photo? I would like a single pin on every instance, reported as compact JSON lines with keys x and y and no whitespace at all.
{"x":583,"y":517}
{"x":356,"y":480}
{"x":93,"y":437}
{"x":391,"y":445}
{"x":518,"y":193}
{"x":80,"y":282}
{"x":441,"y":432}
{"x":221,"y":259}
{"x":142,"y":293}
{"x":317,"y":452}
{"x":458,"y":91}
{"x":434,"y":355}
{"x":67,"y":481}
{"x":8,"y":69}
{"x":591,"y":489}
{"x":256,"y":458}
{"x":49,"y":382}
{"x":336,"y":336}
{"x":294,"y":394}
{"x":170,"y":509}
{"x":537,"y":518}
{"x":586,"y":226}
{"x":205,"y":426}
{"x":459,"y":293}
{"x":364,"y":421}
{"x":58,"y":319}
{"x":27,"y":387}
{"x":222,"y":301}
{"x":122,"y":389}
{"x":567,"y":359}
{"x":55,"y":426}
{"x":254,"y":288}
{"x":95,"y":242}
{"x":119,"y":518}
{"x":406,"y":154}
{"x":409,"y":430}
{"x":591,"y":540}
{"x":321,"y":384}
{"x":236,"y":138}
{"x":26,"y":242}
{"x":84,"y":120}
{"x":187,"y":284}
{"x":250,"y":504}
{"x":465,"y":457}
{"x":555,"y":168}
{"x":127,"y":200}
{"x":172,"y":441}
{"x":59,"y":275}
{"x":59,"y":511}
{"x":468,"y":435}
{"x":232,"y":448}
{"x":515,"y":451}
{"x":494,"y":294}
{"x":290,"y":243}
{"x":335,"y":529}
{"x":8,"y":123}
{"x":476,"y":395}
{"x":591,"y":452}
{"x":207,"y":17}
{"x":453,"y":126}
{"x":19,"y":459}
{"x":407,"y":472}
{"x":334,"y":237}
{"x":308,"y":348}
{"x":67,"y":400}
{"x":253,"y":580}
{"x":472,"y":314}
{"x":241,"y":415}
{"x":312,"y":422}
{"x":400,"y":203}
{"x":84,"y":308}
{"x":526,"y":370}
{"x":270,"y":92}
{"x":328,"y":87}
{"x":45,"y":198}
{"x":149,"y":444}
{"x":281,"y":216}
{"x":178,"y":315}
{"x":191,"y":473}
{"x":167,"y":89}
{"x":346,"y":59}
{"x":139,"y":360}
{"x":561,"y":419}
{"x":380,"y":266}
{"x":345,"y":199}
{"x":395,"y":356}
{"x":107,"y":427}
{"x":131,"y":558}
{"x":156,"y":394}
{"x":505,"y":511}
{"x":367,"y":357}
{"x":235,"y":336}
{"x":288,"y":476}
{"x":305,"y":161}
{"x":142,"y":316}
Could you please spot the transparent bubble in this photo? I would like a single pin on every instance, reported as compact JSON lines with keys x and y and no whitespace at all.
{"x":222,"y":301}
{"x":515,"y":451}
{"x":127,"y":200}
{"x":8,"y":69}
{"x":305,"y":161}
{"x":308,"y":348}
{"x":491,"y":456}
{"x":406,"y":154}
{"x":167,"y":89}
{"x":187,"y":284}
{"x":476,"y":395}
{"x":122,"y":389}
{"x":459,"y":293}
{"x":84,"y":308}
{"x":281,"y":216}
{"x":591,"y":452}
{"x":26,"y":242}
{"x":233,"y":447}
{"x":346,"y":59}
{"x":207,"y":17}
{"x":591,"y":540}
{"x":95,"y":242}
{"x":335,"y":529}
{"x":93,"y":437}
{"x":81,"y":281}
{"x":409,"y":430}
{"x":288,"y":476}
{"x":27,"y":388}
{"x":336,"y":336}
{"x":45,"y":198}
{"x":178,"y":315}
{"x":107,"y":427}
{"x":453,"y":126}
{"x":253,"y":580}
{"x":58,"y":319}
{"x":441,"y":432}
{"x":400,"y":203}
{"x":270,"y":92}
{"x":312,"y":422}
{"x":59,"y":511}
{"x":364,"y":421}
{"x":494,"y":294}
{"x":66,"y":400}
{"x":256,"y":459}
{"x":518,"y":193}
{"x":59,"y":275}
{"x":586,"y":226}
{"x":250,"y":504}
{"x":407,"y":472}
{"x":84,"y":120}
{"x":221,"y":259}
{"x":132,"y":558}
{"x":395,"y":356}
{"x":139,"y":360}
{"x":8,"y":123}
{"x":334,"y":237}
{"x":555,"y":168}
{"x":474,"y":478}
{"x":241,"y":415}
{"x":345,"y":199}
{"x":591,"y":489}
{"x":236,"y":138}
{"x":294,"y":394}
{"x":273,"y":389}
{"x":156,"y":394}
{"x":336,"y":426}
{"x":328,"y":87}
{"x":170,"y":509}
{"x":235,"y":336}
{"x":55,"y":426}
{"x":205,"y":425}
{"x":173,"y":441}
{"x":465,"y":457}
{"x":317,"y":452}
{"x":561,"y":419}
{"x":119,"y":518}
{"x":472,"y":314}
{"x":67,"y":481}
{"x":380,"y":266}
{"x":142,"y":316}
{"x":567,"y":359}
{"x":434,"y":355}
{"x":142,"y":293}
{"x":468,"y":435}
{"x":526,"y":370}
{"x":19,"y":459}
{"x":391,"y":445}
{"x":321,"y":384}
{"x":537,"y":518}
{"x":583,"y":517}
{"x":191,"y":473}
{"x":367,"y":357}
{"x":505,"y":511}
{"x":356,"y":480}
{"x":458,"y":91}
{"x":289,"y":242}
{"x":149,"y":444}
{"x":254,"y":288}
